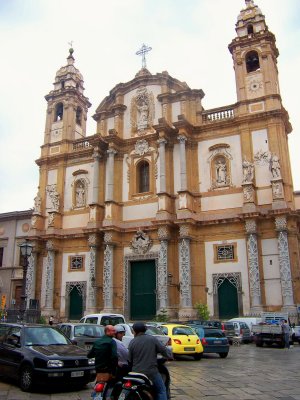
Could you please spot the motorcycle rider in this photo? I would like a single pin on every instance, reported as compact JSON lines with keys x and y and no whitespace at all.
{"x":105,"y":352}
{"x":123,"y":366}
{"x":143,"y":350}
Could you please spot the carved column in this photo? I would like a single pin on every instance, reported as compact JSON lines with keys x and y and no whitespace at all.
{"x":162,"y":288}
{"x":253,"y":265}
{"x":91,"y":286}
{"x":284,"y":263}
{"x":108,"y":274}
{"x":48,"y":282}
{"x":30,"y":278}
{"x":162,"y":164}
{"x":183,"y":181}
{"x":186,"y":309}
{"x":109,"y":195}
{"x":95,"y":195}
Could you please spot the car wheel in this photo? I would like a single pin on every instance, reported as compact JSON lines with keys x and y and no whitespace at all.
{"x":223,"y":355}
{"x":26,"y":378}
{"x":198,"y":356}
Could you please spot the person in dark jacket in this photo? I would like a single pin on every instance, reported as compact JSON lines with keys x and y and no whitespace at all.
{"x":143,"y":350}
{"x":105,"y":352}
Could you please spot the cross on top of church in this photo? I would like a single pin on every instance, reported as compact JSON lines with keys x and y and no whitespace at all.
{"x":142,"y":52}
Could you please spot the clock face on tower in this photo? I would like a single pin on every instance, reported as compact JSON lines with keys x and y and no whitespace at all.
{"x":254,"y":85}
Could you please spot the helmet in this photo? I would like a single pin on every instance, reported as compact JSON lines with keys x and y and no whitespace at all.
{"x":139,"y":327}
{"x":120,"y":329}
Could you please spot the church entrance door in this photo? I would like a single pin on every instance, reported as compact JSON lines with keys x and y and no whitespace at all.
{"x":76,"y":304}
{"x":142,"y":290}
{"x":228,"y":300}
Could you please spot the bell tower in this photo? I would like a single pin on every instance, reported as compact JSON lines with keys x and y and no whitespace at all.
{"x":67,"y":106}
{"x":254,"y":54}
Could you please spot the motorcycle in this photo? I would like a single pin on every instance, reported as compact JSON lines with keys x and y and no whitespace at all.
{"x":107,"y":390}
{"x":137,"y":386}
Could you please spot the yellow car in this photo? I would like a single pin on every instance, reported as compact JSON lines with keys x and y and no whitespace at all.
{"x":184,"y":340}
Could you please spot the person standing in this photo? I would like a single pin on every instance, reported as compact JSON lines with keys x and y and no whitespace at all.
{"x":123,"y":366}
{"x":286,"y":332}
{"x":105,"y":352}
{"x":143,"y":350}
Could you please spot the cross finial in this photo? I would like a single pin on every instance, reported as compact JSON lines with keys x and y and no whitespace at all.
{"x":142,"y":52}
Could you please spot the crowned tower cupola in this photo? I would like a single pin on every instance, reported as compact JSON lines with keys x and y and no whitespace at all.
{"x":254,"y":53}
{"x":67,"y":105}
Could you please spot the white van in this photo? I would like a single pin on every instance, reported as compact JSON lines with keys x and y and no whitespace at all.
{"x":103,"y":319}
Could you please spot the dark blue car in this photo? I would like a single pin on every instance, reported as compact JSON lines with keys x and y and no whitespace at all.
{"x":213,"y":340}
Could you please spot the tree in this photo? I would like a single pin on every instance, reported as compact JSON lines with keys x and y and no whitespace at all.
{"x":202,"y":311}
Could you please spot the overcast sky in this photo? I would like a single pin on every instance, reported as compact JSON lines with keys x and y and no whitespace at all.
{"x":189,"y":39}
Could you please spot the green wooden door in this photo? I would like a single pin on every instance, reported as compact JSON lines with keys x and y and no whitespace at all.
{"x":76,"y":306}
{"x":228,"y":300}
{"x":143,"y":290}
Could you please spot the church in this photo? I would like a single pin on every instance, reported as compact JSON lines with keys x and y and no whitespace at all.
{"x":168,"y":204}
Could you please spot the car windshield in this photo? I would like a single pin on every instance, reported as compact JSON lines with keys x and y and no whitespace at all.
{"x":214,"y":334}
{"x":44,"y":336}
{"x":154,"y":330}
{"x":87,"y":330}
{"x":112,"y":320}
{"x":182,"y":330}
{"x":199,"y":331}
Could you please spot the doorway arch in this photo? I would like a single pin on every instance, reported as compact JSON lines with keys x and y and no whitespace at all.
{"x":75,"y":299}
{"x":227,"y":292}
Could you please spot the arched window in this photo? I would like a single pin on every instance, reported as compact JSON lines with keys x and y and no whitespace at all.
{"x":252,"y":61}
{"x":250,"y":29}
{"x":78,"y":115}
{"x":143,"y":177}
{"x":62,"y":84}
{"x":59,"y":111}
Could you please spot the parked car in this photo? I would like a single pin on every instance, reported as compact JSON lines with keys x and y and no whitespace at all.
{"x":83,"y":335}
{"x":296,"y":334}
{"x":152,"y":329}
{"x":213,"y":340}
{"x":103,"y":319}
{"x":184,"y":340}
{"x":211,"y":323}
{"x":242,"y":331}
{"x":38,"y":353}
{"x":229,"y":331}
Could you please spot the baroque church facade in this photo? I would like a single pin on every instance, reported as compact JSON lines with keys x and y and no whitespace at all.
{"x":168,"y":204}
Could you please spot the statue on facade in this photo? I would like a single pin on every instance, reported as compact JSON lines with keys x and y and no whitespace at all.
{"x":143,"y":113}
{"x":80,"y":195}
{"x":54,"y":197}
{"x":275,"y":166}
{"x":37,"y":204}
{"x":221,"y":172}
{"x":248,"y":171}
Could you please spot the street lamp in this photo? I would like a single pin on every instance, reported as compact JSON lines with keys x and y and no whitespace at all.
{"x":26,"y":250}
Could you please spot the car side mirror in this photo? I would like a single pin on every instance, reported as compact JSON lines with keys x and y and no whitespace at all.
{"x":13,"y":341}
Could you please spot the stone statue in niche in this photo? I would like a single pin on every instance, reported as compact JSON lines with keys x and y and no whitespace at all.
{"x":221,"y":172}
{"x":142,"y":105}
{"x":80,"y":195}
{"x":275,"y":166}
{"x":248,"y":171}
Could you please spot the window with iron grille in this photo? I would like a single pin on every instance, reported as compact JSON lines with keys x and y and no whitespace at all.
{"x":76,"y":263}
{"x":225,"y":252}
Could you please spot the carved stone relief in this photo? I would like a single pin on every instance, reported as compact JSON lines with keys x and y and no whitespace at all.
{"x":185,"y":273}
{"x":248,"y":171}
{"x":141,"y":242}
{"x":53,"y":196}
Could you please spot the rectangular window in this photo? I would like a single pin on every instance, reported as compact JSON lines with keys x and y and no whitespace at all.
{"x":225,"y":253}
{"x":1,"y":256}
{"x":76,"y":263}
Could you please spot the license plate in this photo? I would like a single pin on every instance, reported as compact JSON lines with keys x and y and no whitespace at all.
{"x":217,"y":341}
{"x":75,"y":374}
{"x":189,"y":349}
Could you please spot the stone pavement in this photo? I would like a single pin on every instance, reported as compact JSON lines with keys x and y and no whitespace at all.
{"x":247,"y":373}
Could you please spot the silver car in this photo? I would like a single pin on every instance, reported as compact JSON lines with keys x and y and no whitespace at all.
{"x":83,"y":335}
